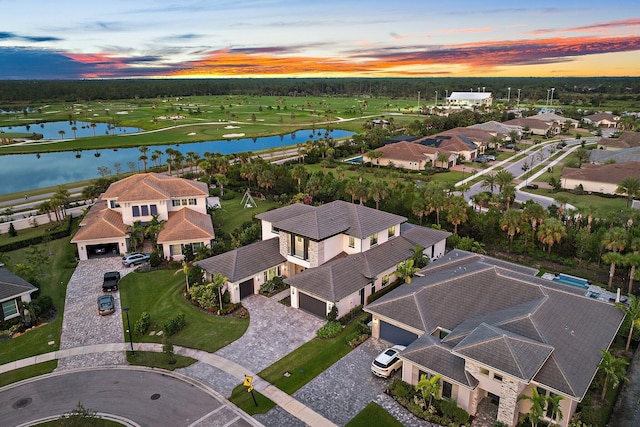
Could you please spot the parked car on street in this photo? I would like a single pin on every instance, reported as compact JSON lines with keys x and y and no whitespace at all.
{"x":135,"y":259}
{"x":387,"y":363}
{"x":110,"y":281}
{"x":106,"y":305}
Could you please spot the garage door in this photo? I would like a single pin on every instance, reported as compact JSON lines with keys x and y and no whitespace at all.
{"x":246,"y":288}
{"x":396,"y":335}
{"x":312,"y":305}
{"x":102,"y":250}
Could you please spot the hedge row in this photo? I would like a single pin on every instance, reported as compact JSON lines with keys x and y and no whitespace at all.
{"x":12,"y":246}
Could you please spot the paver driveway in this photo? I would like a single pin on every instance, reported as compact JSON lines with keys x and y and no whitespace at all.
{"x":82,"y":325}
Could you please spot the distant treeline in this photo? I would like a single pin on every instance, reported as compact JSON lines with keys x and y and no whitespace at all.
{"x":531,"y":89}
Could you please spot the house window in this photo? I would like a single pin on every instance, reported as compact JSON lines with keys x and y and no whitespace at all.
{"x":484,"y":371}
{"x":175,"y":203}
{"x":548,"y":410}
{"x":497,"y":377}
{"x":271,"y":273}
{"x":391,"y":231}
{"x":274,"y":230}
{"x":385,"y":280}
{"x":447,"y":388}
{"x":112,"y":204}
{"x":352,"y":242}
{"x":145,"y":210}
{"x":299,"y":247}
{"x":184,"y":202}
{"x":373,"y":288}
{"x":154,"y":209}
{"x":135,"y":210}
{"x":373,"y":239}
{"x":9,"y":308}
{"x":175,"y":249}
{"x":193,"y":202}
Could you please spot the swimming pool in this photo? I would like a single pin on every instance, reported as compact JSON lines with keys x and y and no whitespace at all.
{"x":354,"y":159}
{"x":572,"y":281}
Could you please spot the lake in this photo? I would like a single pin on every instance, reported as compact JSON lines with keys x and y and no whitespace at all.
{"x":23,"y":172}
{"x":51,"y":130}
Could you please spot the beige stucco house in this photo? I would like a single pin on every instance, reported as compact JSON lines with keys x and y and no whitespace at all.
{"x":179,"y":203}
{"x":599,"y":178}
{"x":413,"y":156}
{"x":602,"y":120}
{"x":494,"y":331}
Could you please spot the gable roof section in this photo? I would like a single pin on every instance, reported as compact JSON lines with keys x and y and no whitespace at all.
{"x":285,"y":212}
{"x":12,"y":286}
{"x":500,"y":312}
{"x":450,"y":142}
{"x":513,"y":354}
{"x":410,"y":151}
{"x":497,"y":127}
{"x":476,"y":135}
{"x":628,"y":139}
{"x":617,"y":156}
{"x":427,"y":352}
{"x":345,"y":275}
{"x":100,"y":223}
{"x":245,"y":261}
{"x":598,"y":117}
{"x":338,"y":217}
{"x":423,"y":236}
{"x":154,"y":186}
{"x":612,"y":174}
{"x":530,"y":122}
{"x":186,"y":224}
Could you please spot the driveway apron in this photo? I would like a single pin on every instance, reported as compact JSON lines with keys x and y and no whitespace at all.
{"x":81,"y":324}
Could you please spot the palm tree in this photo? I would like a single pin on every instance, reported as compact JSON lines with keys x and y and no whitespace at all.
{"x":503,"y":178}
{"x":550,"y":232}
{"x":435,"y":198}
{"x":632,"y":314}
{"x":61,"y":132}
{"x":480,"y":198}
{"x":418,"y":207}
{"x":582,"y":154}
{"x":442,"y":159}
{"x":221,"y":181}
{"x":429,"y":388}
{"x":510,"y":222}
{"x":136,"y":235}
{"x":489,"y":181}
{"x":298,"y":173}
{"x":553,"y":407}
{"x":630,"y":186}
{"x":632,"y":260}
{"x":153,"y":228}
{"x":143,"y":158}
{"x":406,"y":270}
{"x":614,"y":369}
{"x":417,"y":255}
{"x":612,"y":258}
{"x":535,"y":214}
{"x":614,"y":240}
{"x":457,"y":212}
{"x":537,"y":401}
{"x":378,"y":190}
{"x":74,"y":129}
{"x":509,"y":194}
{"x":93,"y":126}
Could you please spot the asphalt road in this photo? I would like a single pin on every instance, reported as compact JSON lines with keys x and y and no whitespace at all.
{"x":144,"y":397}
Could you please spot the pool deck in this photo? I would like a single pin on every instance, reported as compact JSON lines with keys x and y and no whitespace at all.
{"x":603,"y":294}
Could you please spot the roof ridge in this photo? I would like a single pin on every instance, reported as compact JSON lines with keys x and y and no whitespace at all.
{"x":506,"y":339}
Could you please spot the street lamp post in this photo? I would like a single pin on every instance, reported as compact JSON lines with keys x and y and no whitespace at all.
{"x":436,"y":98}
{"x":509,"y":95}
{"x":462,"y":173}
{"x":552,"y":89}
{"x":446,"y":96}
{"x":418,"y":101}
{"x":518,"y":97}
{"x":126,"y":310}
{"x":548,"y":90}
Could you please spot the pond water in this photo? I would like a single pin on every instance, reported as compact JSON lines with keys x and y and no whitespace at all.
{"x":51,"y":130}
{"x":23,"y":172}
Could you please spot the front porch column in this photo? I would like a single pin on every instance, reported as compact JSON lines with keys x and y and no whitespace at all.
{"x":508,"y":407}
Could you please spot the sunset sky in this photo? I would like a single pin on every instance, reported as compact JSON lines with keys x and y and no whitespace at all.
{"x":68,"y":39}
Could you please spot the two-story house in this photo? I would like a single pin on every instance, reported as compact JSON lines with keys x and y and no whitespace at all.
{"x":181,"y":205}
{"x":334,"y":254}
{"x":493,"y":330}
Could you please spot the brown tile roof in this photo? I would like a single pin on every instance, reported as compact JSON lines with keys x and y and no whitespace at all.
{"x":186,"y":224}
{"x":245,"y":261}
{"x":337,"y":217}
{"x":598,"y":117}
{"x":450,"y":142}
{"x":410,"y":151}
{"x":154,"y":186}
{"x":479,"y":136}
{"x":520,"y":312}
{"x":626,"y":140}
{"x":99,"y":223}
{"x":612,"y":174}
{"x":529,"y":122}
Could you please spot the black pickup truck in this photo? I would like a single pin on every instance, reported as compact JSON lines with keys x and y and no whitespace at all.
{"x":111,"y":281}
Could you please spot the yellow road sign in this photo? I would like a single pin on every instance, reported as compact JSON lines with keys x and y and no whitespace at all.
{"x":250,"y":389}
{"x":248,"y":380}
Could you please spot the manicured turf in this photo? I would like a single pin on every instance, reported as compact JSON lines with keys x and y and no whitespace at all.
{"x":27,"y":372}
{"x":160,"y":294}
{"x":372,"y":412}
{"x":235,"y":214}
{"x":243,"y":400}
{"x":159,"y":360}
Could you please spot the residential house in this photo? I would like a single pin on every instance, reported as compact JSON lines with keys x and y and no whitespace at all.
{"x":493,"y":330}
{"x":553,"y":117}
{"x":452,"y":142}
{"x":410,"y":155}
{"x":479,"y":137}
{"x":470,"y":99}
{"x":602,"y":120}
{"x":615,"y":156}
{"x":535,"y":126}
{"x":13,"y":291}
{"x":498,"y":129}
{"x":626,"y":140}
{"x":335,"y":254}
{"x":180,"y":203}
{"x":599,"y":178}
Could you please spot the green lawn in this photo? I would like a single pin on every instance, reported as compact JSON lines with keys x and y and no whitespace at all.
{"x":371,"y":412}
{"x":53,"y":283}
{"x":235,"y":214}
{"x":27,"y":372}
{"x":243,"y":400}
{"x":28,"y":233}
{"x":308,"y":361}
{"x":159,"y":360}
{"x":160,"y":294}
{"x":603,"y":205}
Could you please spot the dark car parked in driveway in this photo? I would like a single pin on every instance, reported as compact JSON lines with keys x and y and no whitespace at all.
{"x":110,"y":281}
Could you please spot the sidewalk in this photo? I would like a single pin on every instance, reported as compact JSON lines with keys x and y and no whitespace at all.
{"x":286,"y":402}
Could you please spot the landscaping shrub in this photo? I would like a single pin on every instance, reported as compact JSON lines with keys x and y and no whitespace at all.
{"x":355,"y":338}
{"x":12,"y":230}
{"x":142,"y":324}
{"x":333,"y":314}
{"x":329,"y":330}
{"x":347,"y":318}
{"x":273,"y":286}
{"x":155,"y":259}
{"x":378,"y":294}
{"x":174,"y":325}
{"x":63,"y":230}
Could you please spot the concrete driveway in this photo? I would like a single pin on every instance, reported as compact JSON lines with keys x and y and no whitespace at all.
{"x":81,"y":324}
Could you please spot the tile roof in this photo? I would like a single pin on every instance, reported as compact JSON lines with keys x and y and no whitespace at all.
{"x":423,"y":236}
{"x":612,"y":173}
{"x":154,"y":186}
{"x":285,"y":212}
{"x":530,"y":122}
{"x":477,"y":135}
{"x":617,"y":156}
{"x":598,"y":117}
{"x":450,"y":142}
{"x":184,"y":225}
{"x":411,"y":151}
{"x":11,"y":285}
{"x":497,"y":127}
{"x":345,"y":275}
{"x":628,"y":139}
{"x":245,"y":261}
{"x":100,"y":223}
{"x":337,"y":217}
{"x":511,"y":310}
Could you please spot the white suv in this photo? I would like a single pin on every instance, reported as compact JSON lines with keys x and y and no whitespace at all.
{"x":387,"y":362}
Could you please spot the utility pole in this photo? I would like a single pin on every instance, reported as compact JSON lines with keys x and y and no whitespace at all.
{"x":518,"y":97}
{"x":509,"y":95}
{"x":436,"y":98}
{"x":552,"y":89}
